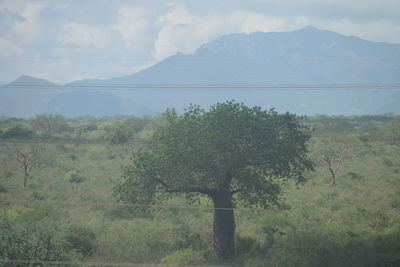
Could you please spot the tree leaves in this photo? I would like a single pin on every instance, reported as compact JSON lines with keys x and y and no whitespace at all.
{"x":231,"y":147}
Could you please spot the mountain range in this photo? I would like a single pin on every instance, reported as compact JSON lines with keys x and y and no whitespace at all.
{"x":307,"y":71}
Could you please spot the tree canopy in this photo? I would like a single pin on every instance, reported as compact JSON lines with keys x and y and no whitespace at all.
{"x":229,"y":152}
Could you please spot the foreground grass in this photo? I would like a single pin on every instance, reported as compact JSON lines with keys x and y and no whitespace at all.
{"x":356,"y":223}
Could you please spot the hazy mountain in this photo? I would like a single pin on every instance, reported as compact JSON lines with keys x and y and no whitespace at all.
{"x":302,"y":60}
{"x":93,"y":103}
{"x":308,"y":55}
{"x":28,"y":96}
{"x":305,"y":57}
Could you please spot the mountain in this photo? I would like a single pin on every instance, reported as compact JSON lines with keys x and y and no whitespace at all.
{"x":301,"y":59}
{"x":309,"y":55}
{"x":307,"y":71}
{"x":93,"y":103}
{"x":28,"y":96}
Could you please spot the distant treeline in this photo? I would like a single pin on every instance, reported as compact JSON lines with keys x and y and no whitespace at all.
{"x":121,"y":129}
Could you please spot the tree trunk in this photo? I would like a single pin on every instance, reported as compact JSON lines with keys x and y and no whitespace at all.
{"x":26,"y":170}
{"x":25,"y":180}
{"x":333,"y":174}
{"x":224,"y":227}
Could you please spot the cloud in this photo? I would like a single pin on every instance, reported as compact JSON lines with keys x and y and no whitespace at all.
{"x":85,"y":36}
{"x":8,"y":48}
{"x":248,"y":22}
{"x":125,"y":37}
{"x":377,"y":31}
{"x":29,"y":29}
{"x":133,"y":25}
{"x":179,"y":15}
{"x":184,"y":32}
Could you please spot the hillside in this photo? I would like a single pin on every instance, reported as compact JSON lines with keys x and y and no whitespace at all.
{"x":303,"y":71}
{"x":306,"y":56}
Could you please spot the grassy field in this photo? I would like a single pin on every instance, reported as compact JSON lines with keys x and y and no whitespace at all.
{"x":68,"y":212}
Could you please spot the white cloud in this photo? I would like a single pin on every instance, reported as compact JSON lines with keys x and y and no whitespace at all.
{"x":133,"y":25}
{"x":184,"y":32}
{"x":179,"y":15}
{"x":377,"y":31}
{"x":29,"y":30}
{"x":15,"y":6}
{"x":251,"y":22}
{"x":8,"y":48}
{"x":136,"y":36}
{"x":85,"y":36}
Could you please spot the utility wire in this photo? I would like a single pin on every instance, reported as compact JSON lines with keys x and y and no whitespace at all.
{"x":209,"y":58}
{"x":6,"y":204}
{"x":82,"y":263}
{"x":222,"y":86}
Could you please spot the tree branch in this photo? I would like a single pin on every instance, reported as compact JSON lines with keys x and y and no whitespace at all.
{"x":200,"y":190}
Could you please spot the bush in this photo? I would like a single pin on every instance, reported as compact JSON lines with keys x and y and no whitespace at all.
{"x":3,"y":189}
{"x":184,"y":257}
{"x":31,"y":234}
{"x":38,"y":195}
{"x":74,"y":177}
{"x":247,"y":247}
{"x":18,"y":131}
{"x":8,"y":174}
{"x":336,"y":248}
{"x":354,"y":175}
{"x":388,"y":162}
{"x":82,"y":240}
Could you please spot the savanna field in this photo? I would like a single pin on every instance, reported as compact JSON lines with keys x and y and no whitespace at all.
{"x":347,"y":213}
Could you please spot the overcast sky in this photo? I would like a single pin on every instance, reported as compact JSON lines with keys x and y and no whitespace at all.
{"x":66,"y":40}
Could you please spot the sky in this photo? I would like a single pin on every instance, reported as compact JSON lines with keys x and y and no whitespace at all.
{"x":67,"y":40}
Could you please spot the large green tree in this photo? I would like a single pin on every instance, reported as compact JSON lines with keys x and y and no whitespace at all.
{"x":230,"y":153}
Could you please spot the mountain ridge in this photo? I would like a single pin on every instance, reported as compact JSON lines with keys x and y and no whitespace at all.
{"x":308,"y":57}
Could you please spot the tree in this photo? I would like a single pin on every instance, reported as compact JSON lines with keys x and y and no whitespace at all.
{"x":31,"y":234}
{"x":48,"y":124}
{"x":17,"y":130}
{"x":117,"y":134}
{"x":121,"y":139}
{"x":28,"y":157}
{"x":332,"y":157}
{"x":232,"y":152}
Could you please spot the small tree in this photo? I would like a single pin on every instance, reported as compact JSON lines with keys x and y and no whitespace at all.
{"x":332,"y":157}
{"x":48,"y":124}
{"x":230,"y":152}
{"x":28,"y":157}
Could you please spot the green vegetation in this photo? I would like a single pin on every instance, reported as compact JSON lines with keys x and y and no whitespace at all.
{"x":68,"y":213}
{"x":222,"y":154}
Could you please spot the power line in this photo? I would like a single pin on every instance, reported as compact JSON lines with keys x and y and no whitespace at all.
{"x":215,"y":86}
{"x":7,"y":203}
{"x":69,"y":142}
{"x":82,"y":263}
{"x":140,"y":142}
{"x":208,"y":58}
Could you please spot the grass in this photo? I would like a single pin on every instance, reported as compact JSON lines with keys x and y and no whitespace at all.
{"x":316,"y":218}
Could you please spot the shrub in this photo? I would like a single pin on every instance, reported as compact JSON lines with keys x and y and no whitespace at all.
{"x":3,"y":189}
{"x":8,"y":174}
{"x":81,"y":240}
{"x":38,"y":195}
{"x":18,"y":131}
{"x":74,"y":177}
{"x":354,"y":175}
{"x":247,"y":246}
{"x":388,"y":162}
{"x":184,"y":257}
{"x":31,"y":234}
